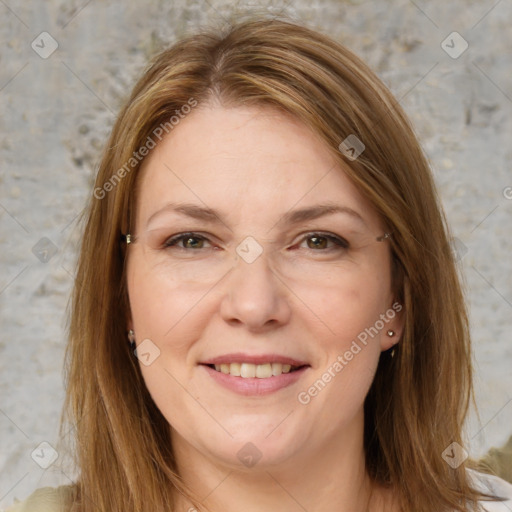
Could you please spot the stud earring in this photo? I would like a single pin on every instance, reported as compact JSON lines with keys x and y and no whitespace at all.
{"x":383,"y":237}
{"x":391,"y":333}
{"x":131,"y":338}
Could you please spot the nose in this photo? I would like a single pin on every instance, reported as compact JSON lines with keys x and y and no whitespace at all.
{"x":254,"y":296}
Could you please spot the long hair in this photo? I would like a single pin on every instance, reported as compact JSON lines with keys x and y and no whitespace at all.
{"x":419,"y":398}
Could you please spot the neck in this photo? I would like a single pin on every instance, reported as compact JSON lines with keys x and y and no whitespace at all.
{"x":330,"y":479}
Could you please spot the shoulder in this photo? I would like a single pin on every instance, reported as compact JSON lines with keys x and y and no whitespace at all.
{"x":493,"y":485}
{"x":58,"y":499}
{"x":45,"y":499}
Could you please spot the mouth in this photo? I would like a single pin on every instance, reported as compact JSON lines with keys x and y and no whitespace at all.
{"x":255,"y":375}
{"x":259,"y":371}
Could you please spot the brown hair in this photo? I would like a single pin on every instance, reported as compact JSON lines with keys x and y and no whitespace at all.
{"x":419,"y":398}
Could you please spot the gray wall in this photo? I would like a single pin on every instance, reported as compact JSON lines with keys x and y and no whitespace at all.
{"x":57,"y":111}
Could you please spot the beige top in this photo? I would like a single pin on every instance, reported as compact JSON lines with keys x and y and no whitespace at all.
{"x":45,"y":499}
{"x":51,"y":499}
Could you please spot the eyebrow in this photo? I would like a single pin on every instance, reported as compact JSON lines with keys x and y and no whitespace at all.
{"x":212,"y":216}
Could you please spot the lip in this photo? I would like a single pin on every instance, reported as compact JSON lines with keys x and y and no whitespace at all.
{"x":239,"y":357}
{"x":254,"y":386}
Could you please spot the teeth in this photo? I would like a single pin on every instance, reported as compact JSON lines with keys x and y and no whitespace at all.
{"x":264,"y":371}
{"x":248,"y":370}
{"x":235,"y":369}
{"x":277,"y":368}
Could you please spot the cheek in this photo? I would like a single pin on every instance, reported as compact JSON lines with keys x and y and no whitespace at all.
{"x":348,"y":304}
{"x":351,"y":309}
{"x":160,"y":305}
{"x":169,"y":315}
{"x":161,"y":312}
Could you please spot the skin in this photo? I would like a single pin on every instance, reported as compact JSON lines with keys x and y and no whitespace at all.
{"x":254,"y":165}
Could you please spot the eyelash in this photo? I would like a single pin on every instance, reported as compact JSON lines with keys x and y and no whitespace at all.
{"x":340,"y":242}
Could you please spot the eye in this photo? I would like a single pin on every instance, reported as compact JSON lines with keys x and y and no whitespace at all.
{"x":316,"y":241}
{"x":190,"y":241}
{"x":320,"y":241}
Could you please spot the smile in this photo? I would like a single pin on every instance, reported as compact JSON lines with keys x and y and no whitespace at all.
{"x":249,"y":370}
{"x":254,"y":374}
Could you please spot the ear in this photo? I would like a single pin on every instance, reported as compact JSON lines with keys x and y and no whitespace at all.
{"x":395,"y":315}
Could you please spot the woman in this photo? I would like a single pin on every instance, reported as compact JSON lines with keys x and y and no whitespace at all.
{"x":267,"y":314}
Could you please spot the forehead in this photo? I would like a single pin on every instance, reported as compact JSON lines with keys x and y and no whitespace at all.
{"x":247,"y":161}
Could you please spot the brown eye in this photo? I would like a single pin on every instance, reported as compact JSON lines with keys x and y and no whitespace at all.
{"x":320,"y":241}
{"x":190,"y":241}
{"x":317,"y":242}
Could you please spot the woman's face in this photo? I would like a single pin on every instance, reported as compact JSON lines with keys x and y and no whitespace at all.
{"x":262,"y":283}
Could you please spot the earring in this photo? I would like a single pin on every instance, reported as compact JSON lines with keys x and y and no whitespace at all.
{"x":391,"y":333}
{"x":383,"y":237}
{"x":131,"y":338}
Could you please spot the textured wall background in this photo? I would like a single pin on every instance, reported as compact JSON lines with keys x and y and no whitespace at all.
{"x":56,"y":111}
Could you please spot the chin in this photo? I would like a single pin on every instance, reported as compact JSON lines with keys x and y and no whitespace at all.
{"x":258,"y":449}
{"x":252,"y":457}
